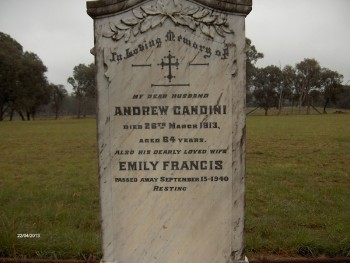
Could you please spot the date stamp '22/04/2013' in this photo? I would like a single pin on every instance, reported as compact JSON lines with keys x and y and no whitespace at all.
{"x":26,"y":235}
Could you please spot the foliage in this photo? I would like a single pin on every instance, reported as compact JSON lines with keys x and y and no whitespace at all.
{"x":24,"y":88}
{"x":266,"y":83}
{"x":252,"y":54}
{"x":308,"y":73}
{"x":84,"y":86}
{"x":10,"y":61}
{"x":57,"y":93}
{"x":344,"y":98}
{"x":252,"y":57}
{"x":307,"y":83}
{"x":23,"y":84}
{"x":287,"y":89}
{"x":332,"y":87}
{"x":33,"y":89}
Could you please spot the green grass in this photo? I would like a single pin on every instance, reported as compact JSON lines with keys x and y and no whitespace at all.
{"x":298,"y":187}
{"x":49,"y":185}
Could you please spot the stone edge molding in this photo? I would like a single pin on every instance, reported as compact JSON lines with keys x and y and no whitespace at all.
{"x":108,"y":7}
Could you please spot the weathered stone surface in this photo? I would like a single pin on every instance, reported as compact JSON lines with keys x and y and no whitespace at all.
{"x":107,"y":7}
{"x":171,"y":133}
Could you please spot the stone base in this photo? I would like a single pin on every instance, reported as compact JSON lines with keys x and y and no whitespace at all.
{"x":241,"y":261}
{"x":235,"y":261}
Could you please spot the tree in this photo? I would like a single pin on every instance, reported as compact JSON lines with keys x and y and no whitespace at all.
{"x":331,"y":86}
{"x":252,"y":57}
{"x":83,"y":82}
{"x":10,"y":61}
{"x":57,"y":94}
{"x":23,"y":84}
{"x":33,"y":88}
{"x":289,"y":85}
{"x":265,"y":84}
{"x":344,"y":98}
{"x":308,"y":80}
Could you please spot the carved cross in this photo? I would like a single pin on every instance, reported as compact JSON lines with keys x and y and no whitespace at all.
{"x":169,"y":64}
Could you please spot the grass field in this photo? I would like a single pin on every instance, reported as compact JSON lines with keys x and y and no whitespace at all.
{"x":49,"y":186}
{"x":298,"y":187}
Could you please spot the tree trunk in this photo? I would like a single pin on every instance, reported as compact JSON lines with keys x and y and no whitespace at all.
{"x":84,"y":111}
{"x":84,"y":107}
{"x":2,"y":111}
{"x":308,"y":105}
{"x":266,"y":109}
{"x":315,"y":109}
{"x":11,"y":114}
{"x":252,"y":111}
{"x":79,"y":108}
{"x":21,"y":114}
{"x":325,"y":106}
{"x":280,"y":100}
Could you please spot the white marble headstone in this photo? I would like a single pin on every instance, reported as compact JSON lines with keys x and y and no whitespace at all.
{"x":171,"y":129}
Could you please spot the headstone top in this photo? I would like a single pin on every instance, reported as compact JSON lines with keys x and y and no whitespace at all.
{"x":107,"y":7}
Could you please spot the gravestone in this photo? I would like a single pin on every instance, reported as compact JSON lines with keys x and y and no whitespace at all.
{"x":171,"y":129}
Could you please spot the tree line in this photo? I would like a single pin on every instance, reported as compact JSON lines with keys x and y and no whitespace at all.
{"x":307,"y":84}
{"x":25,"y":90}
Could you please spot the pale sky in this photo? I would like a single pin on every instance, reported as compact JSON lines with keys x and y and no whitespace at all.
{"x":286,"y":31}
